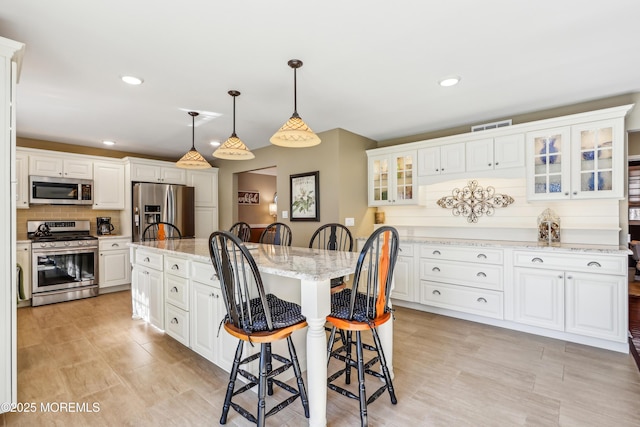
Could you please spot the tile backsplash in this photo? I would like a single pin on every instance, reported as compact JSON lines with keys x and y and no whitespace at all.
{"x":52,"y":212}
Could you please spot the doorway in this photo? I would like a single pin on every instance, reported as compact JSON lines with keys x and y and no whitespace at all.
{"x":257,"y":199}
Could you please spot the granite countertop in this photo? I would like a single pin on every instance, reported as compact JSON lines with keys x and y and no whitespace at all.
{"x":287,"y":261}
{"x":511,"y":244}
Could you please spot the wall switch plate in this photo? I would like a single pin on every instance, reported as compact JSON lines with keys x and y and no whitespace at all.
{"x":285,"y":214}
{"x":349,"y":222}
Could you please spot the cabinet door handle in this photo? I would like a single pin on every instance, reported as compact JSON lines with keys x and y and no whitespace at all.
{"x":437,"y":170}
{"x":145,"y":272}
{"x":569,"y":277}
{"x":566,"y":194}
{"x":481,"y":256}
{"x":435,"y":269}
{"x":481,"y":274}
{"x":436,"y":252}
{"x":594,"y":264}
{"x":489,"y":164}
{"x":214,"y":295}
{"x":536,"y":259}
{"x":497,"y":163}
{"x":575,"y":193}
{"x":436,"y":292}
{"x":559,"y":276}
{"x":482,"y":300}
{"x":146,"y":259}
{"x":174,"y":321}
{"x":174,"y":289}
{"x":175,"y":267}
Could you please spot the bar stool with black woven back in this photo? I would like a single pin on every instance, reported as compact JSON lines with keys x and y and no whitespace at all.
{"x":161,"y":231}
{"x":276,"y":233}
{"x":255,"y":317}
{"x":365,"y":306}
{"x":333,"y":237}
{"x":242,"y":230}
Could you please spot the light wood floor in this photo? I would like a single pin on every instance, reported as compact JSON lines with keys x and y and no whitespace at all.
{"x":448,"y":372}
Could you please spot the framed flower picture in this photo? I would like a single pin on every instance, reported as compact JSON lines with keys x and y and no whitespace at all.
{"x":305,"y":196}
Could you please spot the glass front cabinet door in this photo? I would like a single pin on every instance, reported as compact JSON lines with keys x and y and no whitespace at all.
{"x":583,"y":161}
{"x":391,"y":179}
{"x":548,"y":164}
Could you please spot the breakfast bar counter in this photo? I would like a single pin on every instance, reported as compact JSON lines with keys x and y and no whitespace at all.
{"x":310,"y":272}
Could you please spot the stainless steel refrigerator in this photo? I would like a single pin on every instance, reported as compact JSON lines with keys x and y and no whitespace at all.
{"x":163,"y":202}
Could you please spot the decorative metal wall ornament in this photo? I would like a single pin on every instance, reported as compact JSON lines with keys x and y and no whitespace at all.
{"x":474,"y":201}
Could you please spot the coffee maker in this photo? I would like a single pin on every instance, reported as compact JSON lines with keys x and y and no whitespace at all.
{"x":104,"y":225}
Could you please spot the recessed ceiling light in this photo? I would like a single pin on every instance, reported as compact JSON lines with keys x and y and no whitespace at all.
{"x":132,"y":80}
{"x":449,"y":81}
{"x":107,"y":142}
{"x":215,"y":143}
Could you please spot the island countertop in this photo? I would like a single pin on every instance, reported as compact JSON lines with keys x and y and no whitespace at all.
{"x":287,"y":261}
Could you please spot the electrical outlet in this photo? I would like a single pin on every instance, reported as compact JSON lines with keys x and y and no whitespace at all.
{"x":285,"y":214}
{"x":349,"y":222}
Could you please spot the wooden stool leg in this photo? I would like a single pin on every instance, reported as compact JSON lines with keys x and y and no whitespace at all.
{"x":262,"y":385}
{"x":269,"y":368}
{"x":383,"y":365}
{"x":298,"y":372}
{"x":232,"y":382}
{"x":347,"y":372}
{"x":361,"y":389}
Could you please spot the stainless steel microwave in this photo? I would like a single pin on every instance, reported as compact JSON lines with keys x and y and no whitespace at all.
{"x":47,"y":190}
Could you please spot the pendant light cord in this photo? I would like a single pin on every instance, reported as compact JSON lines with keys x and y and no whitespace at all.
{"x":234,"y":117}
{"x":193,"y":132}
{"x":295,"y":93}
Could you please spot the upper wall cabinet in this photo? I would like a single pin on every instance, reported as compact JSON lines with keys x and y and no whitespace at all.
{"x":157,"y":171}
{"x":60,"y":166}
{"x":443,"y":159}
{"x":583,"y":161}
{"x":108,"y":185}
{"x":495,"y":153}
{"x":22,"y":181}
{"x":391,"y":178}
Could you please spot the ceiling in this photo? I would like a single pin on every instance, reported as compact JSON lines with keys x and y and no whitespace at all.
{"x":370,"y":66}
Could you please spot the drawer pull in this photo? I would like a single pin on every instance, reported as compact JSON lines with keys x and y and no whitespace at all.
{"x":145,"y":272}
{"x":569,"y":277}
{"x":536,"y":259}
{"x":175,"y":267}
{"x":436,"y":252}
{"x":146,"y":259}
{"x":115,"y":245}
{"x":174,"y":289}
{"x":482,"y":300}
{"x":214,"y":295}
{"x":435,"y":269}
{"x":481,"y":274}
{"x":436,"y":292}
{"x":481,"y":256}
{"x":594,"y":264}
{"x":174,"y":321}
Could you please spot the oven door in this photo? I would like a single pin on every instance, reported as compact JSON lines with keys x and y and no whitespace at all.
{"x":57,"y":269}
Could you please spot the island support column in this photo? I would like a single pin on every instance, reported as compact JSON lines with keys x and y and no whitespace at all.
{"x":316,"y":305}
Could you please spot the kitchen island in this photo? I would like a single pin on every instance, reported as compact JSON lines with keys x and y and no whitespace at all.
{"x":168,"y":274}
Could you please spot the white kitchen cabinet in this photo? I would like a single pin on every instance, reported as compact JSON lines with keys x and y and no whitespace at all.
{"x":147,"y":287}
{"x":404,"y":277}
{"x":442,"y":159}
{"x":156,"y":171}
{"x":114,"y":265}
{"x":60,"y":166}
{"x":206,"y":221}
{"x":108,"y":185}
{"x":582,"y":294}
{"x":23,"y":259}
{"x":495,"y":153}
{"x":582,"y":161}
{"x":206,"y":186}
{"x":391,"y":178}
{"x":595,"y":305}
{"x":176,"y":297}
{"x":539,"y":298}
{"x":22,"y":180}
{"x":465,"y":279}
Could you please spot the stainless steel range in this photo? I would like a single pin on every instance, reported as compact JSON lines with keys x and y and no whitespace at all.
{"x":64,"y":261}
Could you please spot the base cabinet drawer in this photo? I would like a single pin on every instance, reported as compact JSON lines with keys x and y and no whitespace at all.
{"x":177,"y":324}
{"x":176,"y":291}
{"x":462,"y":254}
{"x":461,"y":298}
{"x":599,"y":264}
{"x":466,"y":274}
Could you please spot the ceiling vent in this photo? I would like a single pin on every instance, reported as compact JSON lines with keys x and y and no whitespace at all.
{"x":493,"y":125}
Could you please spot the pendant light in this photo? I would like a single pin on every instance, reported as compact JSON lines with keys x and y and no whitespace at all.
{"x":193,"y":159}
{"x":295,"y":132}
{"x":233,"y":148}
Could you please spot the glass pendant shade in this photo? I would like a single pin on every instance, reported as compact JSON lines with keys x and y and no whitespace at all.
{"x":295,"y":132}
{"x":193,"y":159}
{"x":233,"y":148}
